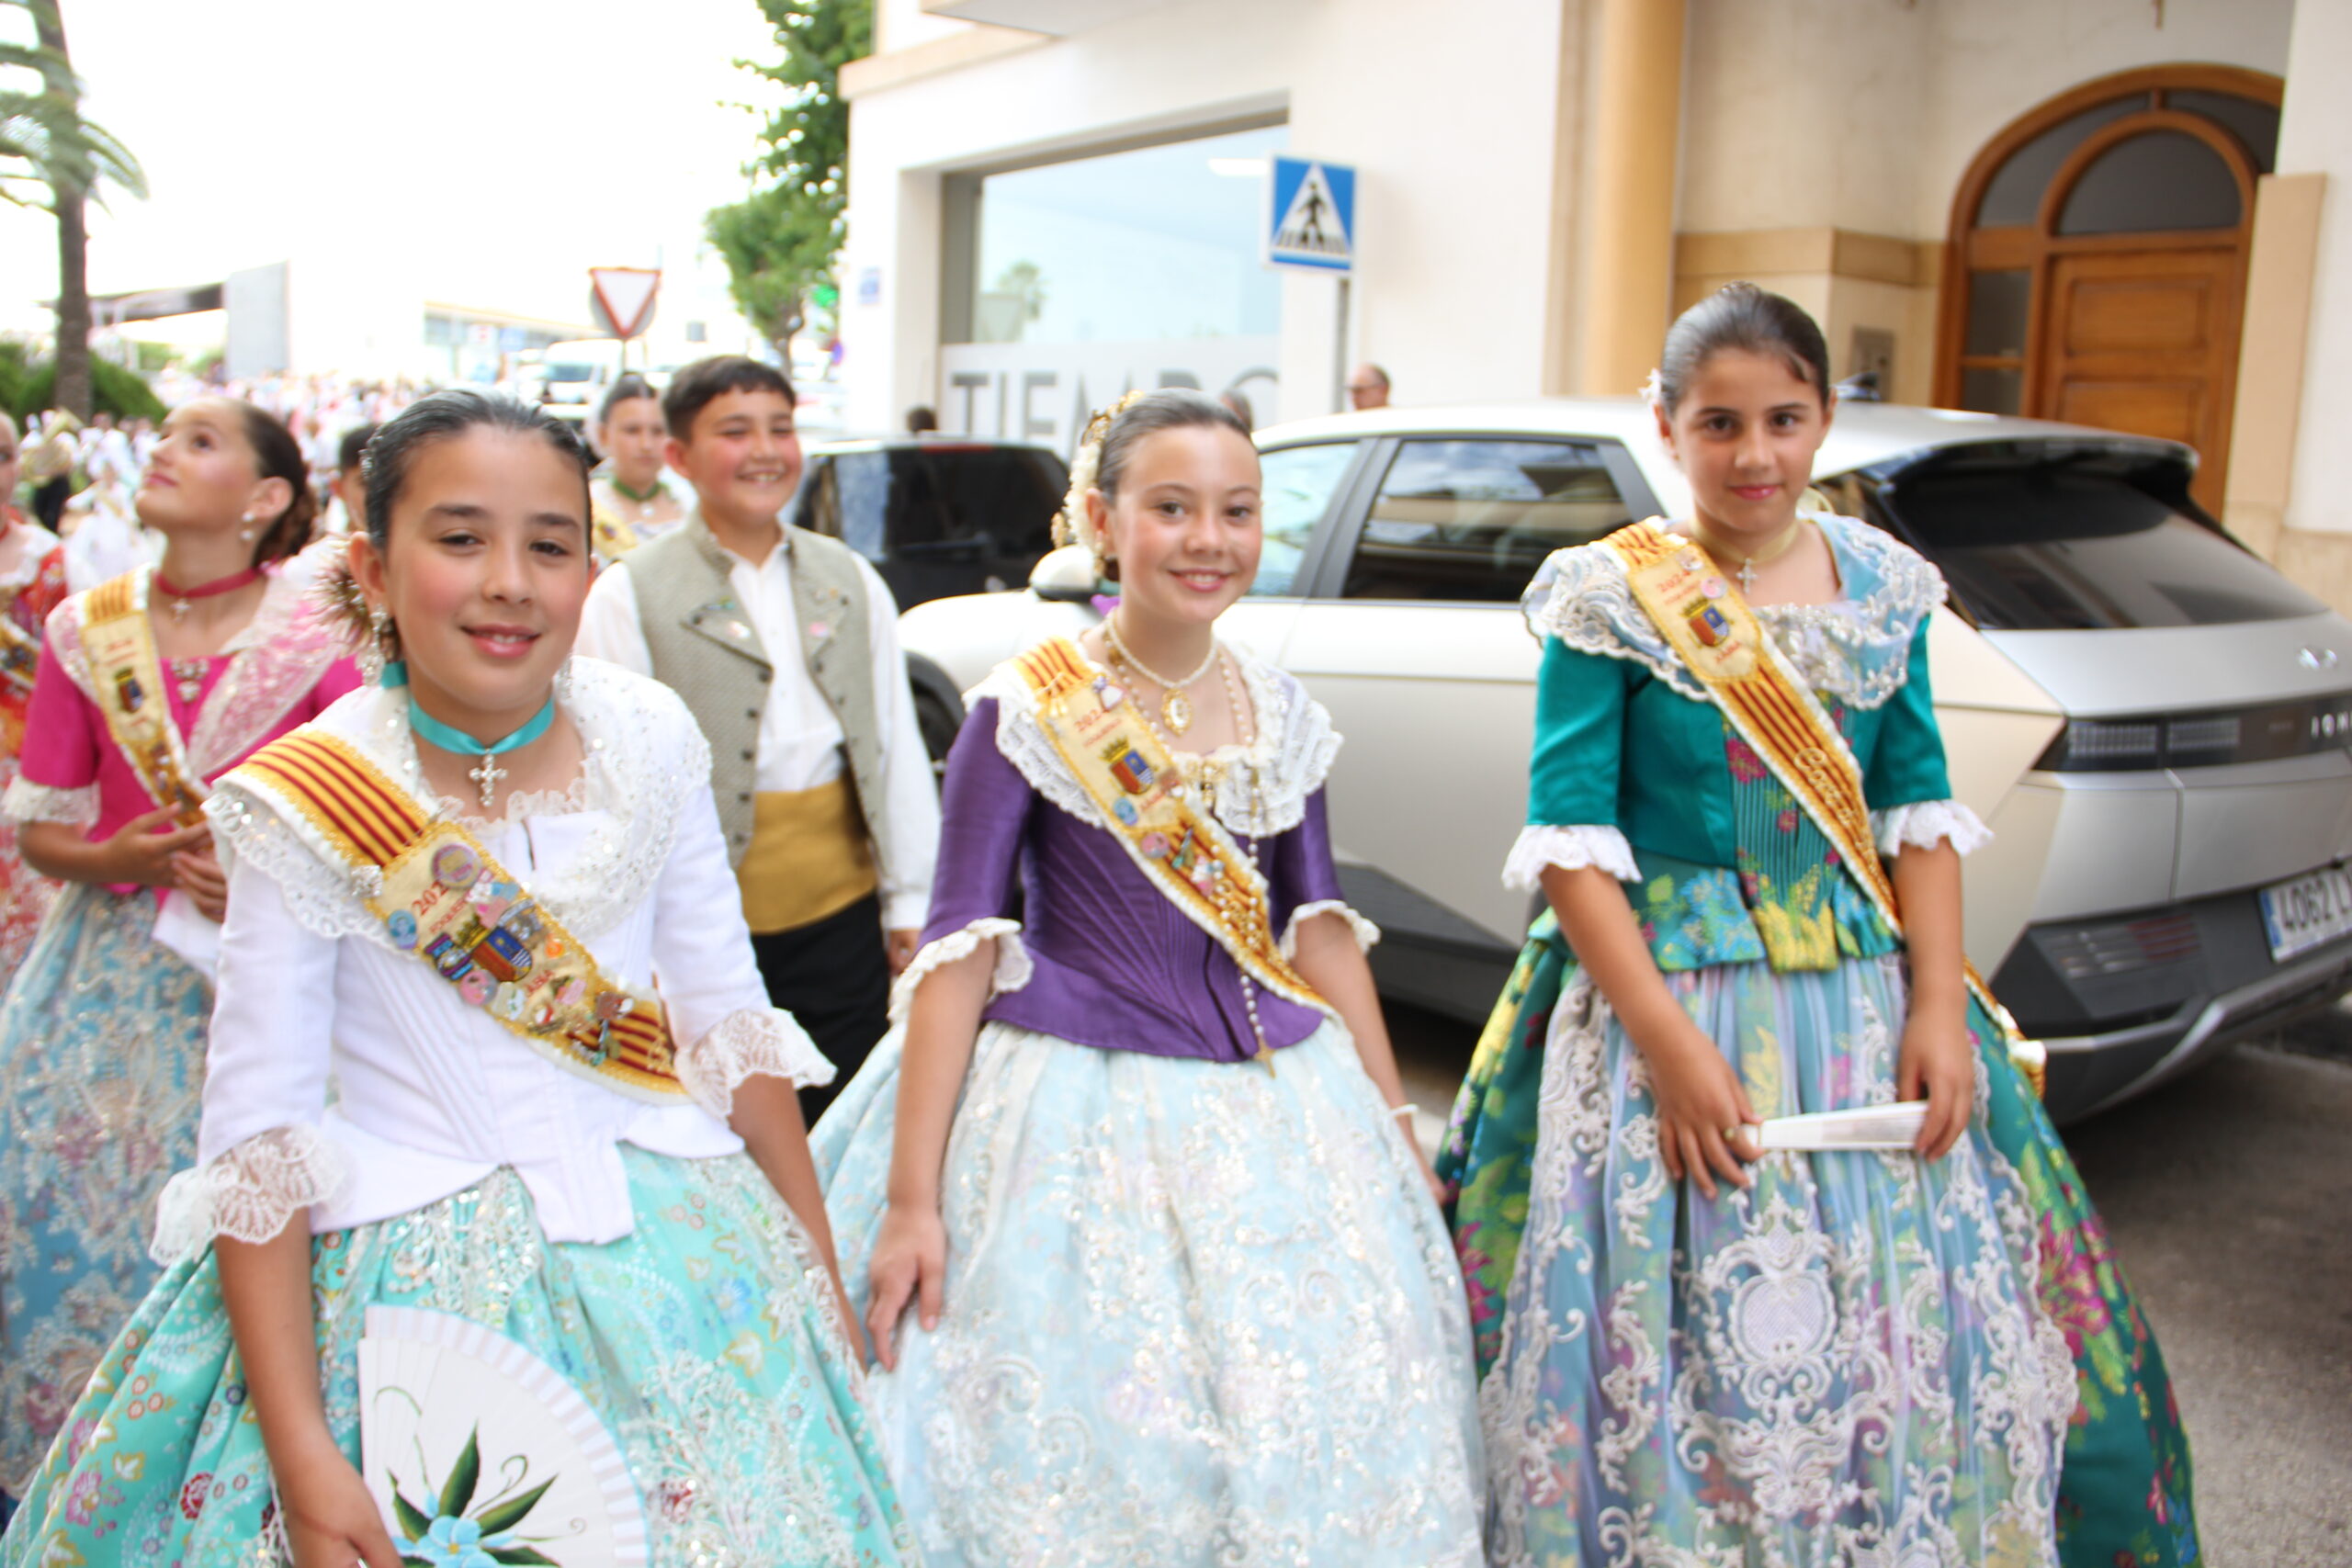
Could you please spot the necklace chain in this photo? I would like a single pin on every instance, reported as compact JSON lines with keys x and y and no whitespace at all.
{"x":1746,"y":569}
{"x":1126,"y":656}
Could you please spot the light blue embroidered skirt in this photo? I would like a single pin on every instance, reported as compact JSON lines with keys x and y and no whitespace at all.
{"x":101,"y":1069}
{"x":1848,"y":1363}
{"x":1197,"y":1315}
{"x":700,"y":1339}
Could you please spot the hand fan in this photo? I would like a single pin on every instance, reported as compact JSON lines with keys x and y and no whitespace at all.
{"x":1868,"y":1127}
{"x":468,"y":1440}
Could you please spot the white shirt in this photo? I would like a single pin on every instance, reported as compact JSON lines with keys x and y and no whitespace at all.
{"x":433,"y":1094}
{"x":800,"y":744}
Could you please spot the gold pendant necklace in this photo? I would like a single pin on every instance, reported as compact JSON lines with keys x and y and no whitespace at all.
{"x":1175,"y":708}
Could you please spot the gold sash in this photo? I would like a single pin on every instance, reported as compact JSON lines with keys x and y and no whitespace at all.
{"x":1185,"y":853}
{"x":20,"y":649}
{"x":809,"y":857}
{"x":442,"y":900}
{"x":1709,"y":624}
{"x":127,"y":683}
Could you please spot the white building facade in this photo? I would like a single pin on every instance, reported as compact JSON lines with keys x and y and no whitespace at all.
{"x":2111,"y":210}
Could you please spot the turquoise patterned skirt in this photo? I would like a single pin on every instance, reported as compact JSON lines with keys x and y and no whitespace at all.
{"x":703,"y":1339}
{"x":1197,"y":1315}
{"x":2124,"y":1487}
{"x":101,"y":1069}
{"x":1849,"y":1362}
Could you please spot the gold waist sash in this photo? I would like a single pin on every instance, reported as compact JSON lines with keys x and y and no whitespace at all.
{"x":809,"y":857}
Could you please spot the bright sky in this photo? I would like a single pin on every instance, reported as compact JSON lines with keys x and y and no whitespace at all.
{"x":499,"y":148}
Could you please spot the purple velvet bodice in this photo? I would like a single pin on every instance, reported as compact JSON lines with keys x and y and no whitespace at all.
{"x":1115,"y":965}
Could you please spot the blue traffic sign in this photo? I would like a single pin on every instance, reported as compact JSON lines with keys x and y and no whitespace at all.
{"x":1311,"y":215}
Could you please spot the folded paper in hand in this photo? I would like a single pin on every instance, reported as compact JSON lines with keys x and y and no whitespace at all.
{"x":1870,"y":1127}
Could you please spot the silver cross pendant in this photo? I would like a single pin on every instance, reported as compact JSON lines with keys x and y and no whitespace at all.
{"x":1747,"y":577}
{"x":487,"y":775}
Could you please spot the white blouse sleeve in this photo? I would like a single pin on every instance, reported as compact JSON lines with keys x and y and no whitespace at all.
{"x":701,"y":961}
{"x":260,"y":1159}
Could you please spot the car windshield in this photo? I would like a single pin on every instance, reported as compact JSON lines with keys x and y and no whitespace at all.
{"x":2070,"y":536}
{"x":570,"y":371}
{"x":895,"y":499}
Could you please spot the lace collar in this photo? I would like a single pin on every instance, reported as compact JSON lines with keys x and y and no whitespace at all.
{"x":1254,"y":790}
{"x":39,"y":543}
{"x":1855,"y":648}
{"x":643,"y":756}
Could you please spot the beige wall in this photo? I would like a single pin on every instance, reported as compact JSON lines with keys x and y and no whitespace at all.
{"x":2295,"y":490}
{"x":1824,"y":140}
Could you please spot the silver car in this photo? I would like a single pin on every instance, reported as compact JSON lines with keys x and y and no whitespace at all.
{"x":2154,"y":723}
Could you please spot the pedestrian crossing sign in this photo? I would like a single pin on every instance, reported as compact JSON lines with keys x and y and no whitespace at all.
{"x":1311,"y":215}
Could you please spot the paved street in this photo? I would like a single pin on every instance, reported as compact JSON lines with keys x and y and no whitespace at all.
{"x":2230,"y":1197}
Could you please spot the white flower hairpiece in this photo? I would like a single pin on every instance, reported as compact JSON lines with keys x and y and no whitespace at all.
{"x":1075,"y":523}
{"x":1654,"y":390}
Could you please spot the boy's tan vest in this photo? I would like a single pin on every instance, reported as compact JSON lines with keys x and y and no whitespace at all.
{"x":706,"y":648}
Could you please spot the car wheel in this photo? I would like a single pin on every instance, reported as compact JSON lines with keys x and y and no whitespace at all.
{"x":938,"y":725}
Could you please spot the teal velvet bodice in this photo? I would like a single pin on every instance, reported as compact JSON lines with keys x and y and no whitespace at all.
{"x":1732,"y":870}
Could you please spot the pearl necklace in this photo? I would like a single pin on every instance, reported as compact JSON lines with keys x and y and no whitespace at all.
{"x":1175,"y":705}
{"x":1245,"y":729}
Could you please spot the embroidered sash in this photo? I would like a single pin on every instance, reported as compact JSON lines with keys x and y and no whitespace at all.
{"x":1712,"y":629}
{"x":1184,"y":852}
{"x":443,"y":900}
{"x":127,"y":684}
{"x":20,"y":649}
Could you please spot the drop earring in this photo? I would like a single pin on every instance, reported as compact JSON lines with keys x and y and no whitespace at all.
{"x":245,"y":534}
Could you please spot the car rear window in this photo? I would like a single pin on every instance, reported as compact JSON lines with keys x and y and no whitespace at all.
{"x":883,"y":502}
{"x":1473,"y":519}
{"x":2069,"y":538}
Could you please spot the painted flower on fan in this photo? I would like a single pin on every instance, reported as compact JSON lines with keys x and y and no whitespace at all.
{"x":448,"y":1537}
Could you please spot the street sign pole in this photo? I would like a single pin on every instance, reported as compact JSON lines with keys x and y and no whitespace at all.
{"x":1311,"y":227}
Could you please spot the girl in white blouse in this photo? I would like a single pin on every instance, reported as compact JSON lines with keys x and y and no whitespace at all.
{"x":452,"y":897}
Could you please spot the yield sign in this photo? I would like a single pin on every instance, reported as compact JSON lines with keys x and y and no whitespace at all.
{"x":626,"y":295}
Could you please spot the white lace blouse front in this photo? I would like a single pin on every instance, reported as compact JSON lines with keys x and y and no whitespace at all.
{"x":430,"y":1094}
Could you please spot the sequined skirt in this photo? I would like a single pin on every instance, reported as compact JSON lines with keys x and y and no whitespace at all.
{"x":1196,"y":1315}
{"x":1847,"y":1363}
{"x":101,"y":1068}
{"x":703,"y":1339}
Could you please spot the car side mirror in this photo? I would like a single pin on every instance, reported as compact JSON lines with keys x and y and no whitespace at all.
{"x":1066,"y":576}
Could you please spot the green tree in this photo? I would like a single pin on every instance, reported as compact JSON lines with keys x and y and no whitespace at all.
{"x":51,"y":157}
{"x":779,"y":243}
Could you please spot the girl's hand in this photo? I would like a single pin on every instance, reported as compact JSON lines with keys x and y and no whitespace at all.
{"x":137,"y":852}
{"x":1699,"y":1098}
{"x":198,"y":874}
{"x":909,"y":1261}
{"x":1937,"y":1065}
{"x":330,"y":1521}
{"x":1421,"y":1158}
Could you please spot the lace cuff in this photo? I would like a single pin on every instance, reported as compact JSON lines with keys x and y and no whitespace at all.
{"x":1013,"y":965}
{"x":749,"y":1041}
{"x":1927,"y":823}
{"x":28,"y":802}
{"x":246,"y":1193}
{"x":1367,"y":934}
{"x":1571,"y":848}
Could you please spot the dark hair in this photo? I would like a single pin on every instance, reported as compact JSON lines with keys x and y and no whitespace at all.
{"x":627,"y":388}
{"x":438,"y":416}
{"x":1238,"y":401}
{"x":354,"y":446}
{"x":1741,"y":316}
{"x":1170,"y":407}
{"x":691,"y":389}
{"x":278,"y":456}
{"x":922,"y":420}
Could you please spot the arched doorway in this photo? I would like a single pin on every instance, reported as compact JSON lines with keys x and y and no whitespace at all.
{"x":2096,"y":271}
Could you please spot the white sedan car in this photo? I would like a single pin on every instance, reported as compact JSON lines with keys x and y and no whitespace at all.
{"x":2154,"y":723}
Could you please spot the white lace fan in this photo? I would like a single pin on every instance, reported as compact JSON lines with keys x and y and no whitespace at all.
{"x":467,"y":1439}
{"x":1892,"y":1126}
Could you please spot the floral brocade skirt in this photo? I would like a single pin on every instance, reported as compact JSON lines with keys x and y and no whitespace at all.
{"x":101,"y":1071}
{"x":704,"y":1341}
{"x":1553,"y":1078}
{"x":1197,"y":1315}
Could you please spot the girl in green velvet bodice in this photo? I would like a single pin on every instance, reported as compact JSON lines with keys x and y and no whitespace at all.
{"x":1694,"y":1348}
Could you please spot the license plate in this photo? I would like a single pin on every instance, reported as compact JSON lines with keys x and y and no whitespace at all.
{"x":2312,"y":908}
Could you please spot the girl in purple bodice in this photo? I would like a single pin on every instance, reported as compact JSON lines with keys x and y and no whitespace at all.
{"x":1180,"y":1288}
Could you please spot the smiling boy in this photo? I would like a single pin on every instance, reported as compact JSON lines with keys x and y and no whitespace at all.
{"x":784,"y":644}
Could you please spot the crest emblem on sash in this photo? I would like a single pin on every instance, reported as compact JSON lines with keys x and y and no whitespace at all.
{"x":1128,"y":766}
{"x":1707,"y":624}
